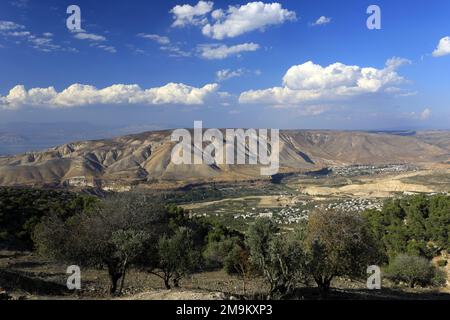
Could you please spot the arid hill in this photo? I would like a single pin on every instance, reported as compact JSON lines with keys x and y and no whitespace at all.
{"x":146,"y":158}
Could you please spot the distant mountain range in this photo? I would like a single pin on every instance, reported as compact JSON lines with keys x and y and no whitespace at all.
{"x":146,"y":158}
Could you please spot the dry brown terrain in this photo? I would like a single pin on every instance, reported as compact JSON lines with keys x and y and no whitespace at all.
{"x":26,"y":276}
{"x":385,"y":186}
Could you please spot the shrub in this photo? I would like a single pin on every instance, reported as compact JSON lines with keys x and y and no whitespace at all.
{"x":442,"y":263}
{"x":439,"y":278}
{"x":413,"y":270}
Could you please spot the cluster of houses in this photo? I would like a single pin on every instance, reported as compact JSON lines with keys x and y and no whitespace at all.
{"x":355,"y":205}
{"x":360,"y":170}
{"x":287,"y":215}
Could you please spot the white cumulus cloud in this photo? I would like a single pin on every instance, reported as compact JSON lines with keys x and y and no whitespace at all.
{"x":310,"y":82}
{"x":322,"y":21}
{"x":238,"y":20}
{"x":191,"y":15}
{"x":443,"y":47}
{"x":221,"y":51}
{"x":119,"y":94}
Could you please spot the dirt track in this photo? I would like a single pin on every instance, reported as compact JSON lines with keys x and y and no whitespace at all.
{"x":176,"y":295}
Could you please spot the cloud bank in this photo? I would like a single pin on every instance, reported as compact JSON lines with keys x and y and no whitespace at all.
{"x":311,"y":82}
{"x":78,"y":95}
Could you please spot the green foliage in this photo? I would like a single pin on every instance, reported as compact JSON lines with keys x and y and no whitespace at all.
{"x":259,"y":237}
{"x":216,"y":253}
{"x":338,"y":244}
{"x":179,"y":217}
{"x":417,"y":225}
{"x":220,"y":241}
{"x":133,"y":230}
{"x":129,"y":244}
{"x":414,"y":270}
{"x":439,"y":278}
{"x":21,"y":209}
{"x":237,"y":260}
{"x":442,"y":263}
{"x":177,"y":257}
{"x":121,"y":231}
{"x":277,"y":256}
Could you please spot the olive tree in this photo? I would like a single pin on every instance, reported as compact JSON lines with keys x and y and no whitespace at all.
{"x":338,"y":244}
{"x":176,"y":257}
{"x":237,"y":262}
{"x":121,"y":231}
{"x":276,"y":256}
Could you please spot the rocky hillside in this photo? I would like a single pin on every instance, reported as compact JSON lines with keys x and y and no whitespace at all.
{"x":146,"y":158}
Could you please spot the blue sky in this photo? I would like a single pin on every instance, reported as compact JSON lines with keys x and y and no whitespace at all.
{"x":254,"y":64}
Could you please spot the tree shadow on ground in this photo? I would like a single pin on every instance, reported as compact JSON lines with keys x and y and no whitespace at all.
{"x":25,"y":264}
{"x":13,"y":280}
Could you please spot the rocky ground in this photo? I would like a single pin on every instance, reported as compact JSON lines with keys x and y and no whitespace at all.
{"x":25,"y":276}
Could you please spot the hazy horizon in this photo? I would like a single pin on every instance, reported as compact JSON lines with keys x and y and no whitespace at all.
{"x":21,"y":137}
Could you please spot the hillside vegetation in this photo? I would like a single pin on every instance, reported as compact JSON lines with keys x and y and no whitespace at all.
{"x":129,"y":233}
{"x":21,"y":209}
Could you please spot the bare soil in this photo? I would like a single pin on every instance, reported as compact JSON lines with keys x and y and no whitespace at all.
{"x":26,"y":276}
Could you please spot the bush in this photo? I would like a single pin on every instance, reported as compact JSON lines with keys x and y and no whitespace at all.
{"x":439,"y":278}
{"x":442,"y":263}
{"x":414,"y":270}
